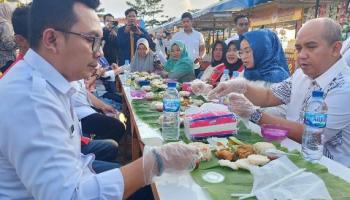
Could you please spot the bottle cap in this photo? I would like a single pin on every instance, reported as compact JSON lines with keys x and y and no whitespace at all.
{"x":226,"y":71}
{"x":171,"y":84}
{"x":317,"y":93}
{"x":126,"y":62}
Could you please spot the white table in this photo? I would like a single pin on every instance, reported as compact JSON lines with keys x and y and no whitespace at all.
{"x":182,"y":186}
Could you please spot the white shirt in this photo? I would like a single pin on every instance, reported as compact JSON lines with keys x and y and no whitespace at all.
{"x":345,"y":51}
{"x":335,"y":83}
{"x":80,"y":100}
{"x":192,"y":42}
{"x":40,"y":147}
{"x":234,"y":37}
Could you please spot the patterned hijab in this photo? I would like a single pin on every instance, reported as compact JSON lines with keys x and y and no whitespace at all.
{"x":270,"y":63}
{"x":5,"y":12}
{"x":143,"y":64}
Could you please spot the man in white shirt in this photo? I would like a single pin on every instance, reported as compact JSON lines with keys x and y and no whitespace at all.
{"x":321,"y":68}
{"x":40,"y":137}
{"x":193,"y":40}
{"x":241,"y":26}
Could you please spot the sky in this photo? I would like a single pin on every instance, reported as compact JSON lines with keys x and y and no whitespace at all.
{"x":172,"y":8}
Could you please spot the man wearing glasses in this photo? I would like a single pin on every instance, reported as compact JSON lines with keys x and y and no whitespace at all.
{"x":242,"y":26}
{"x":40,"y":135}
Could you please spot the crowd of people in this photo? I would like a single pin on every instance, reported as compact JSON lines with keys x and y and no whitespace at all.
{"x":60,"y":86}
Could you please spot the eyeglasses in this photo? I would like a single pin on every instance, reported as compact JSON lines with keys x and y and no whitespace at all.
{"x":96,"y":41}
{"x":247,"y":51}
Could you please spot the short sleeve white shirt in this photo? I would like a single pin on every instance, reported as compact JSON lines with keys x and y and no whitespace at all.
{"x":192,"y":42}
{"x":40,"y":139}
{"x":335,"y":83}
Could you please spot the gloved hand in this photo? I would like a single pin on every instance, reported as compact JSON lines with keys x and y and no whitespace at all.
{"x":237,"y":85}
{"x":171,"y":158}
{"x":199,"y":87}
{"x":240,"y":105}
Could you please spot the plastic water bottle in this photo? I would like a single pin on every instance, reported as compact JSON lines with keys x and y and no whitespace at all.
{"x":225,"y":77}
{"x":315,"y":118}
{"x":171,"y":118}
{"x":126,"y":68}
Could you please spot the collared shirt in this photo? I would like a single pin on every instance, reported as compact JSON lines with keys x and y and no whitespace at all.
{"x":80,"y":100}
{"x":335,"y":83}
{"x":192,"y":42}
{"x":40,"y":139}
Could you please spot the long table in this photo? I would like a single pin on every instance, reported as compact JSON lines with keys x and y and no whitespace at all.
{"x":182,"y":186}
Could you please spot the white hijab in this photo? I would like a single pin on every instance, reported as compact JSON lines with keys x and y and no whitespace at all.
{"x":143,"y":64}
{"x":5,"y":12}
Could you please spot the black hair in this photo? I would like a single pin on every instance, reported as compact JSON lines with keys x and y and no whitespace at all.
{"x":186,"y":15}
{"x":20,"y":21}
{"x":130,"y":10}
{"x":57,"y":14}
{"x":240,"y":17}
{"x":107,"y":15}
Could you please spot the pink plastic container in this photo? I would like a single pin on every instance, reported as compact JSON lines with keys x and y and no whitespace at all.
{"x":186,"y":86}
{"x":273,"y":132}
{"x":138,"y":94}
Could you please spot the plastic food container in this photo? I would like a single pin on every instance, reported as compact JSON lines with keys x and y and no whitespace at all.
{"x":273,"y":132}
{"x":186,"y":86}
{"x":138,"y":94}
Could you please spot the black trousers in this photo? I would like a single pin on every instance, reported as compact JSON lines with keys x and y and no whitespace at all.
{"x":103,"y":127}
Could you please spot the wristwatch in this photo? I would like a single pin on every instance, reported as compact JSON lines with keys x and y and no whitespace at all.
{"x":256,"y":116}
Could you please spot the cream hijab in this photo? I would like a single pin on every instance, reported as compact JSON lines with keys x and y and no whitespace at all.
{"x":5,"y":12}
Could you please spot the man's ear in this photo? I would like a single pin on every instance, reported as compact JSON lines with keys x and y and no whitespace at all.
{"x":336,"y":48}
{"x":50,"y":40}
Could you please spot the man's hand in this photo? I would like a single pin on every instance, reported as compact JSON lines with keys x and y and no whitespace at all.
{"x":107,"y":109}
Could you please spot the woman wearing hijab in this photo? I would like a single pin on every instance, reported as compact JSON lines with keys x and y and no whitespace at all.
{"x":263,"y":57}
{"x":217,"y":57}
{"x":180,"y":65}
{"x":145,"y":60}
{"x":230,"y":62}
{"x":7,"y":41}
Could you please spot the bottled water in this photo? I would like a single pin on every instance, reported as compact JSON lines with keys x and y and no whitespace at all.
{"x":171,"y":118}
{"x":225,"y":77}
{"x":126,"y":68}
{"x":315,"y":118}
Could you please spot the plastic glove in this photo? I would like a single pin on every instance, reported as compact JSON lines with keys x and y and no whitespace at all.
{"x":199,"y":87}
{"x":240,"y":105}
{"x":171,"y":158}
{"x":238,"y":85}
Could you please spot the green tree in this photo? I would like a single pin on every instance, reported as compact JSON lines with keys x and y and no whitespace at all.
{"x":150,"y":11}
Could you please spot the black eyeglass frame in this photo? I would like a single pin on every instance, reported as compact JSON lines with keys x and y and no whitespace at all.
{"x":96,"y":41}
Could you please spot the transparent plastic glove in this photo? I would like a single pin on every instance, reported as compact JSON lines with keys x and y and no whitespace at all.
{"x":240,"y":105}
{"x":237,"y":85}
{"x":199,"y":87}
{"x":170,"y":158}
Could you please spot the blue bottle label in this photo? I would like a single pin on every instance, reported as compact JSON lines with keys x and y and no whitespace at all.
{"x":171,"y":105}
{"x":316,"y":120}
